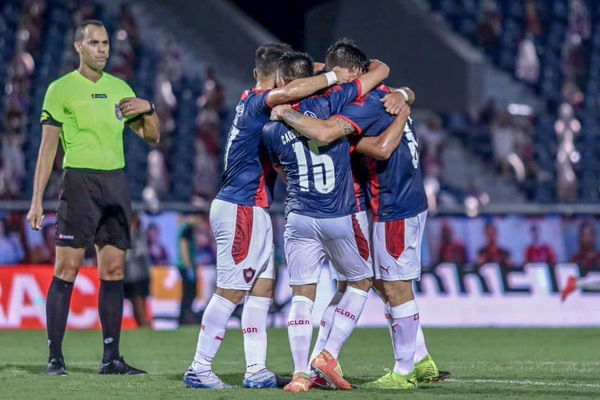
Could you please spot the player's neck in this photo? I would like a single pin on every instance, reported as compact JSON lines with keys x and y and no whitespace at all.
{"x":265,"y":83}
{"x":89,"y":73}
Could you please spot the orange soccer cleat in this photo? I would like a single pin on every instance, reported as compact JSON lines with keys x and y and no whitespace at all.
{"x":299,"y":383}
{"x":569,"y":288}
{"x":328,"y":368}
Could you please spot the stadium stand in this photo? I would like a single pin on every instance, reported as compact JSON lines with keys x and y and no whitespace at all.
{"x":554,"y":46}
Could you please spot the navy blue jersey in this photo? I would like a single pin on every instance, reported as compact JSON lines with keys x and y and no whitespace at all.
{"x":246,"y":178}
{"x":395,"y":186}
{"x":360,"y":174}
{"x":320,"y":183}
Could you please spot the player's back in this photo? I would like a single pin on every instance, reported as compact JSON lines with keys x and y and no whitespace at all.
{"x":244,"y":180}
{"x":395,"y":185}
{"x":320,"y":183}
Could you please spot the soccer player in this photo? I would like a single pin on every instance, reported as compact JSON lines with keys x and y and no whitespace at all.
{"x":321,"y":218}
{"x":242,"y":226}
{"x":86,"y":109}
{"x":399,"y":207}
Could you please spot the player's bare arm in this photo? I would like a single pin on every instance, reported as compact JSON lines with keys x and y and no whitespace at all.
{"x":325,"y":131}
{"x":147,"y":127}
{"x":378,"y":71}
{"x":382,"y":146}
{"x":43,"y":169}
{"x":304,"y":87}
{"x":394,"y":101}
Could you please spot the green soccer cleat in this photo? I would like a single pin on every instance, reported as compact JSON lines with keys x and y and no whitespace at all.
{"x":426,"y":371}
{"x":393,"y":380}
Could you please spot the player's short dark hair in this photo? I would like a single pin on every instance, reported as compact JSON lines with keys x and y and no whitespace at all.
{"x":266,"y":58}
{"x":294,"y":65}
{"x":344,"y":53}
{"x":80,"y":32}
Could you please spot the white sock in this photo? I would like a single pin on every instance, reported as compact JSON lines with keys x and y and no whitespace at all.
{"x":405,"y":323}
{"x":212,"y":330}
{"x":325,"y":326}
{"x":589,"y":283}
{"x":346,"y":316}
{"x":254,"y":330}
{"x":421,"y":350}
{"x":300,"y":332}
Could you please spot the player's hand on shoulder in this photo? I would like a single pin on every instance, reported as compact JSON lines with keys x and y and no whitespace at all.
{"x":35,"y":216}
{"x":393,"y":102}
{"x":405,"y":111}
{"x":277,"y":111}
{"x":133,"y":105}
{"x":342,"y":74}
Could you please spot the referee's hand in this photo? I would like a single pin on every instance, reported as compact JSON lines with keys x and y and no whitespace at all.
{"x":133,"y":105}
{"x":35,"y":216}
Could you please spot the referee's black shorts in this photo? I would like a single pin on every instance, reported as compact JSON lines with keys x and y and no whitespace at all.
{"x":94,"y":207}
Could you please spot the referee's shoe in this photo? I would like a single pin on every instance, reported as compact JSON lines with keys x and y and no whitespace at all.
{"x":118,"y":366}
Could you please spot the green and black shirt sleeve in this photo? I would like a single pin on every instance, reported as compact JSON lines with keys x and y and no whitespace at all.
{"x":53,"y":109}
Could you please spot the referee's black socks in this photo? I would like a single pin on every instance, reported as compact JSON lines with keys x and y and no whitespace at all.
{"x":57,"y":311}
{"x":110,"y":308}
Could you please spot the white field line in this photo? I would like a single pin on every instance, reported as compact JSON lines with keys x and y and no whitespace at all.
{"x":524,"y":382}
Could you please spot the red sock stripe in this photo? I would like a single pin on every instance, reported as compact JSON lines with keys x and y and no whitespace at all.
{"x":394,"y":237}
{"x":243,"y":233}
{"x":361,"y":241}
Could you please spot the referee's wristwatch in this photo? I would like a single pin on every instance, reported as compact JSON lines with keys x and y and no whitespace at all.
{"x":152,"y":108}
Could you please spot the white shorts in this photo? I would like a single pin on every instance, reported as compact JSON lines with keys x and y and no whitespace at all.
{"x":308,"y":241}
{"x":397,"y":248}
{"x":244,"y":239}
{"x":363,"y":221}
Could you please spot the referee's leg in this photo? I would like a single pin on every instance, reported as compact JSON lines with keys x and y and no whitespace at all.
{"x":110,"y":299}
{"x":66,"y":266}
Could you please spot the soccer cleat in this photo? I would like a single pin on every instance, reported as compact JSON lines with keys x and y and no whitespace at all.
{"x":261,"y":380}
{"x":205,"y":380}
{"x":319,"y":383}
{"x":56,"y":366}
{"x":569,"y":288}
{"x":118,"y":366}
{"x":300,"y":383}
{"x":426,"y":371}
{"x":328,"y":368}
{"x":393,"y":380}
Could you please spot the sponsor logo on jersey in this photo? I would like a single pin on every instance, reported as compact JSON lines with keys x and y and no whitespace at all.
{"x":98,"y":96}
{"x":248,"y":274}
{"x":299,"y":322}
{"x":249,"y":330}
{"x":345,"y":313}
{"x":118,"y":112}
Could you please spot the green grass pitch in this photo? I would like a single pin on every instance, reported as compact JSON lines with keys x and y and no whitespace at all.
{"x":485,"y":363}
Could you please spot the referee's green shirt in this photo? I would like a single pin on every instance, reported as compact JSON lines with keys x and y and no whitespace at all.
{"x":91,"y":120}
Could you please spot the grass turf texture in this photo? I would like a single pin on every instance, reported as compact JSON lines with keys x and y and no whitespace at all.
{"x":485,"y":363}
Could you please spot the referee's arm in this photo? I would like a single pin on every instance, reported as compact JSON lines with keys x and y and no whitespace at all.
{"x":43,"y":169}
{"x":146,"y":123}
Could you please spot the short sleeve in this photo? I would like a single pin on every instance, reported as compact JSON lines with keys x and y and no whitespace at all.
{"x":342,"y":95}
{"x":259,"y":104}
{"x":53,"y":111}
{"x":361,"y":113}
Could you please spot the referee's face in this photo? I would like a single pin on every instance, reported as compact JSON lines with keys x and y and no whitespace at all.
{"x":94,"y":48}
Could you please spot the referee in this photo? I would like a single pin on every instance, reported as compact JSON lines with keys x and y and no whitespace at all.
{"x":86,"y":109}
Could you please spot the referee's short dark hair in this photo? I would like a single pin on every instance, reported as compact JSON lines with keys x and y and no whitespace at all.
{"x":344,"y":53}
{"x":266,"y":58}
{"x":80,"y":32}
{"x":294,"y":65}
